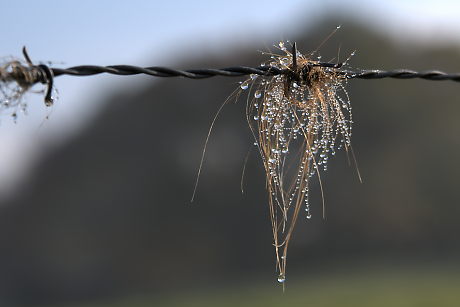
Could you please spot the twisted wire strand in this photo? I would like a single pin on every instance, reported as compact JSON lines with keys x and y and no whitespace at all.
{"x":30,"y":74}
{"x":89,"y":70}
{"x":432,"y":75}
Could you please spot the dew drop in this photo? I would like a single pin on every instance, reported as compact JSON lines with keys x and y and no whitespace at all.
{"x":244,"y":85}
{"x":338,"y":27}
{"x":258,"y":94}
{"x":281,"y":279}
{"x":309,"y":216}
{"x":282,"y":47}
{"x":284,"y":61}
{"x":256,"y":117}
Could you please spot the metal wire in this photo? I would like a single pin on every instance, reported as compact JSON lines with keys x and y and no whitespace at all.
{"x":432,"y":75}
{"x":89,"y":70}
{"x":28,"y":75}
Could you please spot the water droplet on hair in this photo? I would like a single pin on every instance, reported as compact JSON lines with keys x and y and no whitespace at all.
{"x":282,"y":47}
{"x":258,"y":94}
{"x":284,"y":61}
{"x":244,"y":85}
{"x":281,"y":279}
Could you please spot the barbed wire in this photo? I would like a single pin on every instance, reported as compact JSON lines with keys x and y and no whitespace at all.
{"x":237,"y":71}
{"x":30,"y":74}
{"x":432,"y":75}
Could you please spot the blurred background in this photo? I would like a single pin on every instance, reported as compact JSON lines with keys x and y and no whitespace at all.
{"x":95,"y":192}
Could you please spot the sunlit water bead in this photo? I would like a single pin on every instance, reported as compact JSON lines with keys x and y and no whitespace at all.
{"x":306,"y":200}
{"x":257,"y":94}
{"x":4,"y":102}
{"x":307,"y":208}
{"x":352,"y":54}
{"x":285,"y":61}
{"x":282,"y":46}
{"x":23,"y":107}
{"x":281,"y":279}
{"x":244,"y":85}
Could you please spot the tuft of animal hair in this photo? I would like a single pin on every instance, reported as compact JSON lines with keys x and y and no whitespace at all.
{"x":17,"y":78}
{"x":299,"y":119}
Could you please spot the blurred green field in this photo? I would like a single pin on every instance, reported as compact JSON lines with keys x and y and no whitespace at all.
{"x":382,"y":287}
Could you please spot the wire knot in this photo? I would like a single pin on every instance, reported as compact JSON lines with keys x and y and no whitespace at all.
{"x":28,"y":75}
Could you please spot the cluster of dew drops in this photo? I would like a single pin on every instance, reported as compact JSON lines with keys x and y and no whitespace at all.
{"x":329,"y":121}
{"x":12,"y":101}
{"x":11,"y":94}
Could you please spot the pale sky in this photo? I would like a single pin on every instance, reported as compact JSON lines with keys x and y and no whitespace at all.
{"x":148,"y":33}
